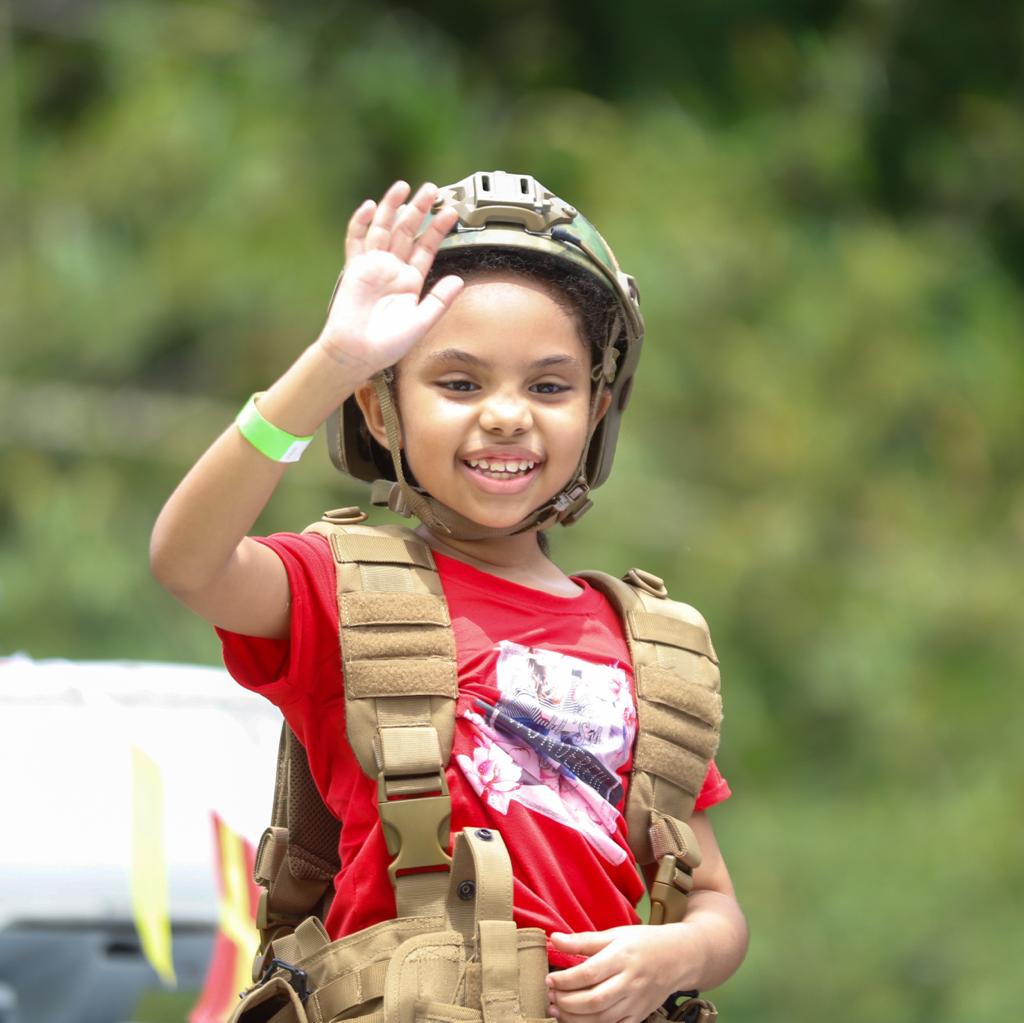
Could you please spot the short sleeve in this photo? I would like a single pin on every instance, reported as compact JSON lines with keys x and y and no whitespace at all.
{"x":715,"y":789}
{"x":285,"y":670}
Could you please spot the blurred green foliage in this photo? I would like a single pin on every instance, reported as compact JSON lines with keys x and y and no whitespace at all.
{"x":824,"y":207}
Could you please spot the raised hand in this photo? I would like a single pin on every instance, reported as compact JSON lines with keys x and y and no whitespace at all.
{"x":200,"y":550}
{"x":377,"y":314}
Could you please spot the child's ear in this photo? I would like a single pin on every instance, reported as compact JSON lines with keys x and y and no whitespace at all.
{"x":602,"y":405}
{"x":369,"y":405}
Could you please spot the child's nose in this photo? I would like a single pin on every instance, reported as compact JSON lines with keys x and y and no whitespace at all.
{"x":506,"y":414}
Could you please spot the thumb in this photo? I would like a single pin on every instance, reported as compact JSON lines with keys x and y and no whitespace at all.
{"x":586,"y":943}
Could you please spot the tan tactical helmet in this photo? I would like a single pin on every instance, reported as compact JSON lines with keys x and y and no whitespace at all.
{"x":516,"y":212}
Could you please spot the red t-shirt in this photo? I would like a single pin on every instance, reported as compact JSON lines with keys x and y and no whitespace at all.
{"x":544,"y":683}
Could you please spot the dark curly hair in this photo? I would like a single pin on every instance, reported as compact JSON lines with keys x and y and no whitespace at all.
{"x":590,"y":303}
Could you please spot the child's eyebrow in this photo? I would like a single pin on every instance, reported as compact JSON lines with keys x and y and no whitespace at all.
{"x":460,"y":355}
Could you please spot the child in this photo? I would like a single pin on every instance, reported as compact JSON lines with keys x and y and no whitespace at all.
{"x":485,"y":386}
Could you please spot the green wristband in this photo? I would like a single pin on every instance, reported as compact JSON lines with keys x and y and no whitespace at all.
{"x":277,"y":444}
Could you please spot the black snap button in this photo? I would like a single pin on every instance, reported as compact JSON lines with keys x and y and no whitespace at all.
{"x":485,"y":834}
{"x":466,"y":890}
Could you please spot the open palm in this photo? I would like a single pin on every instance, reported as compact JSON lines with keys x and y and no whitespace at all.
{"x":377,"y":313}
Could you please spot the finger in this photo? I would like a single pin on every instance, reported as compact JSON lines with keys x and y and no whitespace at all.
{"x":619,"y":1013}
{"x":407,"y":223}
{"x":589,"y":1000}
{"x":597,"y":1009}
{"x":607,"y":1000}
{"x":615,"y":1015}
{"x":428,"y":243}
{"x":379,"y":234}
{"x":437,"y":302}
{"x":358,"y":225}
{"x":585,"y":975}
{"x":584,"y":943}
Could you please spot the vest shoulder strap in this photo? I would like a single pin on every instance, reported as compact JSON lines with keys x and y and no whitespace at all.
{"x":679,"y":712}
{"x":397,"y":650}
{"x":401,"y":682}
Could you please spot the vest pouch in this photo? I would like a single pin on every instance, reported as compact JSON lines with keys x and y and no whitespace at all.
{"x":481,"y":968}
{"x":320,"y":980}
{"x":492,"y":978}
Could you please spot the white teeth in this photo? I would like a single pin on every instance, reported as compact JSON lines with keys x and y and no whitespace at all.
{"x":508,"y":468}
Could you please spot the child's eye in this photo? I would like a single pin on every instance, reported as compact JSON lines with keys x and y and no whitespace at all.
{"x":459,"y":386}
{"x":549,"y":387}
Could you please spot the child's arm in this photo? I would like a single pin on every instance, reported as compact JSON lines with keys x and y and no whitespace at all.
{"x":632,"y":970}
{"x":199,"y":549}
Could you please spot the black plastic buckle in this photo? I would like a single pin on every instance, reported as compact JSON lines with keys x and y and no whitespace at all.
{"x":297,"y":979}
{"x":682,"y":1006}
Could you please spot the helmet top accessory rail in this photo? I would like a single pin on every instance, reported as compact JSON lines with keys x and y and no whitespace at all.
{"x":512,"y":212}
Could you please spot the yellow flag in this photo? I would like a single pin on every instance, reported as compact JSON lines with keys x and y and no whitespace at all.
{"x":230,"y":969}
{"x":149,"y":866}
{"x":236,"y":920}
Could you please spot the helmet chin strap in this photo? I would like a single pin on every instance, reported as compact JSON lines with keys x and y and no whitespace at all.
{"x":566,"y":507}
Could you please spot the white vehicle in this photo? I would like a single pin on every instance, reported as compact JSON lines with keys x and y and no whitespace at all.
{"x":69,"y":948}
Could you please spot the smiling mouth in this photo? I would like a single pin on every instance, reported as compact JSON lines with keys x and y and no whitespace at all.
{"x":498,"y":470}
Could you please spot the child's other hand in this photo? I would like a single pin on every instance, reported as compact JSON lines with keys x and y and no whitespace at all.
{"x":377,"y":314}
{"x":630,"y":972}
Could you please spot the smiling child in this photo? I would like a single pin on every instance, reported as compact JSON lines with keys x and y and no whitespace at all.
{"x":475,"y":362}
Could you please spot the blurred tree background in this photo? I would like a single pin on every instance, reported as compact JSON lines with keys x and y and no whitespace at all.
{"x":824,"y":206}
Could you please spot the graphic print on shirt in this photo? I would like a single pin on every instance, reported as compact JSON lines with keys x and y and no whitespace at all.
{"x":554,"y":742}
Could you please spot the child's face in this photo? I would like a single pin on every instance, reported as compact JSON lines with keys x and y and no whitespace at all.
{"x":502,"y":381}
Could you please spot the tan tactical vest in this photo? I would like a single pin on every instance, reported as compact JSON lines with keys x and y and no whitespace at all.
{"x":453,"y":953}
